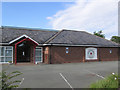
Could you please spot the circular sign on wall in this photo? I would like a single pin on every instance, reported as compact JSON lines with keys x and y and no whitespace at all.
{"x":91,"y":53}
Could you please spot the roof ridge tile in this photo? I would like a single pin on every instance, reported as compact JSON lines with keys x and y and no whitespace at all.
{"x":29,"y":29}
{"x":53,"y":37}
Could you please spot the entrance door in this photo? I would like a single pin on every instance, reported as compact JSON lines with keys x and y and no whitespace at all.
{"x":23,"y":52}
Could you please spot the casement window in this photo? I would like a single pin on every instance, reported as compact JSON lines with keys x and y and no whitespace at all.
{"x":110,"y":51}
{"x":6,"y":54}
{"x":91,"y":53}
{"x":38,"y":54}
{"x":67,"y":50}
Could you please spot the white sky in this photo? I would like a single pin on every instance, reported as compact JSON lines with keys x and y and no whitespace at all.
{"x":88,"y":15}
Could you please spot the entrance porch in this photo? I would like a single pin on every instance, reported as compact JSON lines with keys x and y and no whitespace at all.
{"x":26,"y":51}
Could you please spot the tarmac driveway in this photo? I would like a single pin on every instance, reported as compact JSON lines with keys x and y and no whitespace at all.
{"x":71,"y":75}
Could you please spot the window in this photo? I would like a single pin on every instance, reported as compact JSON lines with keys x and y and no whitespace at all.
{"x":66,"y":48}
{"x":67,"y":51}
{"x":6,"y":54}
{"x":38,"y":55}
{"x":110,"y":51}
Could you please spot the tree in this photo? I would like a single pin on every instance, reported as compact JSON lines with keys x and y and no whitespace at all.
{"x":6,"y":79}
{"x":99,"y":33}
{"x":115,"y":39}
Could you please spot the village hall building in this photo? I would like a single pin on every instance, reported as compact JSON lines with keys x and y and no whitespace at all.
{"x":27,"y":45}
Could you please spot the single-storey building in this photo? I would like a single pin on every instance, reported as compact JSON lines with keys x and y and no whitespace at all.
{"x":47,"y":46}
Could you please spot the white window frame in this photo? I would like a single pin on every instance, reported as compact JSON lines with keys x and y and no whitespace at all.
{"x":7,"y":56}
{"x":41,"y":54}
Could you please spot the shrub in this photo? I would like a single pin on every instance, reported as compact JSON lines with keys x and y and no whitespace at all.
{"x":109,"y":82}
{"x":6,"y":80}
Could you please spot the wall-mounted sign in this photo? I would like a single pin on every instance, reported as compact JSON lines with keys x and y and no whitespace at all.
{"x":91,"y":53}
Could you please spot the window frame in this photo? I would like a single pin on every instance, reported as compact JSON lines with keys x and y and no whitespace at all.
{"x":41,"y":54}
{"x":5,"y":49}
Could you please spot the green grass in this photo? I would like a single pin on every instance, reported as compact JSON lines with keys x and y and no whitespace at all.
{"x":109,"y":82}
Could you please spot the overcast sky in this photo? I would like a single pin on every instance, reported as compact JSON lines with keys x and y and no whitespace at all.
{"x":87,"y":15}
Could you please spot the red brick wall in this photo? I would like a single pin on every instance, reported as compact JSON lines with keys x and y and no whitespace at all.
{"x":58,"y":54}
{"x":105,"y":54}
{"x":32,"y":54}
{"x":46,"y":55}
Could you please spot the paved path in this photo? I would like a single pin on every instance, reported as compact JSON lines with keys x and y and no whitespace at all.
{"x":72,"y":75}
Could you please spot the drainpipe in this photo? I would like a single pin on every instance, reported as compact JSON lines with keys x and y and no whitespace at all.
{"x":50,"y":54}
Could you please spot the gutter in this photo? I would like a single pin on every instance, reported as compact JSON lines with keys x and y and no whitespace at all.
{"x":4,"y":43}
{"x":77,"y":45}
{"x":67,"y":45}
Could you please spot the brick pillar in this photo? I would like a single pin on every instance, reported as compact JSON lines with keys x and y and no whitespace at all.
{"x":46,"y":55}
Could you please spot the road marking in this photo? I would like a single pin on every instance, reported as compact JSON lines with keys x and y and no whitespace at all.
{"x":66,"y":81}
{"x":96,"y":74}
{"x":22,"y":81}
